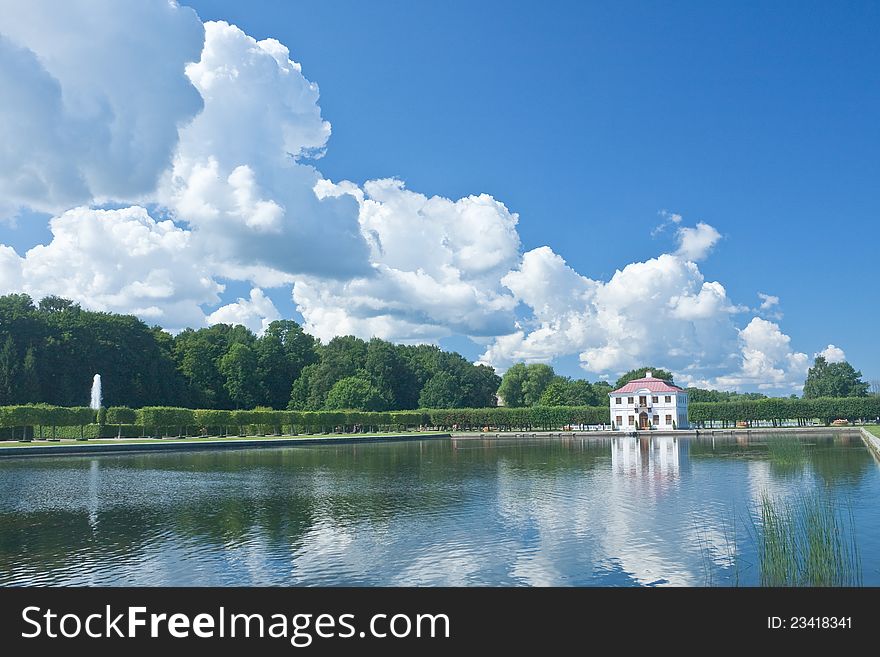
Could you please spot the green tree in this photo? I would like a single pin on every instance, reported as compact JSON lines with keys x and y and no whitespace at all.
{"x":30,"y":380}
{"x":538,"y":378}
{"x":342,"y":357}
{"x":391,"y":374}
{"x":601,"y":390}
{"x":238,"y":367}
{"x":563,"y":391}
{"x":355,"y":393}
{"x":8,"y":372}
{"x":53,"y":304}
{"x":198,"y":355}
{"x":282,"y":353}
{"x":511,"y":388}
{"x":442,"y":391}
{"x":481,"y":384}
{"x":639,"y":373}
{"x":555,"y":394}
{"x":826,"y":379}
{"x":523,"y":385}
{"x":301,"y":390}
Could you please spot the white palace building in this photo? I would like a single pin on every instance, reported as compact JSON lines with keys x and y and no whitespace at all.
{"x":649,"y":402}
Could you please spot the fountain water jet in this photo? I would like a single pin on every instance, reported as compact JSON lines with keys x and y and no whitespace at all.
{"x":96,"y":392}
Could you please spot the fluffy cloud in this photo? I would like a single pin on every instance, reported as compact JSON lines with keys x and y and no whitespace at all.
{"x":139,"y":103}
{"x":661,"y":309}
{"x":120,"y":261}
{"x":436,"y":268}
{"x":695,"y":243}
{"x":93,"y":94}
{"x":237,"y":177}
{"x":10,"y":270}
{"x":768,"y":360}
{"x":832,"y":354}
{"x":256,"y":313}
{"x":768,"y":301}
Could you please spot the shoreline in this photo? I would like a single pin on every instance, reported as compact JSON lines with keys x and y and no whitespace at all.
{"x":130,"y":446}
{"x":871,"y":441}
{"x":682,"y":433}
{"x":81,"y":448}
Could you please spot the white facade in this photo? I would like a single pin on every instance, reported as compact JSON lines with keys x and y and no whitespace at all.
{"x":649,"y":402}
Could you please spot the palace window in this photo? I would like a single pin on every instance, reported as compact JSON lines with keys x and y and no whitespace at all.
{"x":656,"y":419}
{"x":618,"y":400}
{"x":668,"y":399}
{"x":629,"y":400}
{"x":632,"y":420}
{"x":654,"y":400}
{"x":668,"y":419}
{"x":643,"y":401}
{"x":619,"y":420}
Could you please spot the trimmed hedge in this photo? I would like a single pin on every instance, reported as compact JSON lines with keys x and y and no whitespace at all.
{"x":527,"y":418}
{"x":120,"y":415}
{"x":780,"y":410}
{"x":33,"y":415}
{"x":21,"y":421}
{"x":95,"y":431}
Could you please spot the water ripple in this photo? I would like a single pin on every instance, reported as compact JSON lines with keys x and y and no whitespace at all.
{"x":466,"y":512}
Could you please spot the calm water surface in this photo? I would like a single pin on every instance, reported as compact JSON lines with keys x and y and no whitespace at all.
{"x":558,"y":511}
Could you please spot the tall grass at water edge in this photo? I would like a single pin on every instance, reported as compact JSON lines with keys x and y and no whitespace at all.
{"x":809,"y":541}
{"x":786,"y":451}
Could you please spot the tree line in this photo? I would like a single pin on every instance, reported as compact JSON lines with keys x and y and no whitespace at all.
{"x":50,"y":351}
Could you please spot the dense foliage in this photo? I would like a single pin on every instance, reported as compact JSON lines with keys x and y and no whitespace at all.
{"x":778,"y":410}
{"x":702,"y":395}
{"x":50,"y":352}
{"x":538,"y":385}
{"x":826,"y":379}
{"x":165,"y":420}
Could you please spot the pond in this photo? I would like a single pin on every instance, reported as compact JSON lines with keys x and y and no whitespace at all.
{"x":478,"y":511}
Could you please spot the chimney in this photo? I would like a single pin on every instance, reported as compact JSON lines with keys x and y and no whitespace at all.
{"x":649,"y":374}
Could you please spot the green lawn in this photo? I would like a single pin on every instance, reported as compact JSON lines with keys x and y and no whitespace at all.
{"x":153,"y":441}
{"x":875,"y":429}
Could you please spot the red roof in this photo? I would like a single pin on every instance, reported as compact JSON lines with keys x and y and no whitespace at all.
{"x":648,"y":383}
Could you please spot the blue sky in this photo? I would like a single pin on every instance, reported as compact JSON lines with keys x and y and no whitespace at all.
{"x":589,"y":119}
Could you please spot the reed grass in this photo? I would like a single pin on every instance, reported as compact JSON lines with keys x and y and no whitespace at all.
{"x":786,"y":451}
{"x":807,"y":542}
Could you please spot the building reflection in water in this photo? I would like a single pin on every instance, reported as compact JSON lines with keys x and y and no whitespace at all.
{"x":658,"y":458}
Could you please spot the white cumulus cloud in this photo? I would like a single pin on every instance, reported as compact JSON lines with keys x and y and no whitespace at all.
{"x":832,"y":354}
{"x":238,"y":178}
{"x":10,"y":270}
{"x":695,"y":243}
{"x":768,"y":361}
{"x":120,"y":261}
{"x":436,"y":266}
{"x":93,"y":94}
{"x":658,"y":310}
{"x":256,"y":312}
